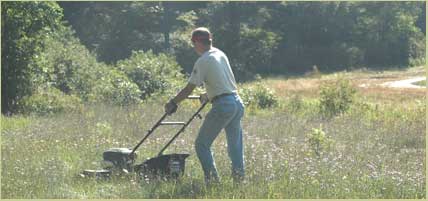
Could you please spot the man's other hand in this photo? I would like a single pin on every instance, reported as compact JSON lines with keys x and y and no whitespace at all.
{"x":203,"y":98}
{"x":171,"y":107}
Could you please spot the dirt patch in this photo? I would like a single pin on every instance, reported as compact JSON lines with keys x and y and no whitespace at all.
{"x":408,"y":83}
{"x":402,"y":84}
{"x":382,"y":87}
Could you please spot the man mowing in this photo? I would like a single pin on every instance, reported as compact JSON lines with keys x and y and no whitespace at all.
{"x":212,"y":69}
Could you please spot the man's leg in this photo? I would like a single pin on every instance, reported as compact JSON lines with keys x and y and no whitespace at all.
{"x":214,"y":121}
{"x":235,"y":145}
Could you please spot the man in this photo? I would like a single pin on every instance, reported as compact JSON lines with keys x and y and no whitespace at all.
{"x":212,"y":69}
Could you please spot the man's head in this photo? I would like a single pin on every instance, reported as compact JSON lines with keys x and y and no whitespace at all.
{"x":201,"y":39}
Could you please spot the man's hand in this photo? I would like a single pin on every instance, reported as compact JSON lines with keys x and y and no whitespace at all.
{"x":171,"y":107}
{"x":203,"y":98}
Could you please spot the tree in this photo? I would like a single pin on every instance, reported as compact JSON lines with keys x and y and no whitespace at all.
{"x":421,"y":23}
{"x":22,"y":25}
{"x":114,"y":29}
{"x":387,"y":32}
{"x":343,"y":35}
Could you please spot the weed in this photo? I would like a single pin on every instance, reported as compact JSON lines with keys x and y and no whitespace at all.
{"x":259,"y":96}
{"x":336,"y":97}
{"x":319,"y":141}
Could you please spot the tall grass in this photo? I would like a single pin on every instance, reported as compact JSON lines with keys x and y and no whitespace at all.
{"x":375,"y":151}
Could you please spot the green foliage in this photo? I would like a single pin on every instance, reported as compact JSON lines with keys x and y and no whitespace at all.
{"x":318,"y":141}
{"x":416,"y":48}
{"x":296,"y":103}
{"x":183,"y":50}
{"x":65,"y":64}
{"x":114,"y":29}
{"x":39,"y":50}
{"x":151,"y":72}
{"x":258,"y":96}
{"x":256,"y":49}
{"x":49,"y":101}
{"x":388,"y":33}
{"x":21,"y":27}
{"x":355,"y":34}
{"x":115,"y":88}
{"x":336,"y":97}
{"x":14,"y":123}
{"x":285,"y":36}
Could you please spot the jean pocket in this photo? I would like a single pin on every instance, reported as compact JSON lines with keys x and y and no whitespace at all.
{"x":223,"y":110}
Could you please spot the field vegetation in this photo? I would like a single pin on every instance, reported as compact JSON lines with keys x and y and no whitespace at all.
{"x":374,"y":147}
{"x":79,"y":78}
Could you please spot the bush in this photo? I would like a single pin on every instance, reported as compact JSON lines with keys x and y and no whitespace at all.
{"x":49,"y":101}
{"x":319,"y":141}
{"x":336,"y":97}
{"x":258,"y":96}
{"x":65,"y":64}
{"x":115,"y":88}
{"x":151,"y":72}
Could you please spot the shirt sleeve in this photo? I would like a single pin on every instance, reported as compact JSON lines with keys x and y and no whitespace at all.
{"x":197,"y":76}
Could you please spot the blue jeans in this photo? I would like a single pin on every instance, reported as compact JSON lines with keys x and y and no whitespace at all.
{"x":226,"y":112}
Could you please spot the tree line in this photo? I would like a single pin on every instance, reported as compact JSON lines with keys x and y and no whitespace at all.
{"x":114,"y":50}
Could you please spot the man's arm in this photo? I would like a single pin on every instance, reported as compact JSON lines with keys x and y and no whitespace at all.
{"x":172,"y":104}
{"x":184,"y":93}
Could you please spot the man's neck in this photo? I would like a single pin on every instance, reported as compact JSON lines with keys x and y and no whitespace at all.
{"x":206,"y":49}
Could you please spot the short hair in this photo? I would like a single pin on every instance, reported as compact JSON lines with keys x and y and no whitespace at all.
{"x":202,"y":35}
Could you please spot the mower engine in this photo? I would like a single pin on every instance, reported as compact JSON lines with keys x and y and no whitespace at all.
{"x":168,"y":166}
{"x":120,"y":158}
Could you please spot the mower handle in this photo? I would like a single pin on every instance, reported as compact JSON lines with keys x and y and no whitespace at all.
{"x":148,"y":133}
{"x":193,"y":97}
{"x":160,"y":123}
{"x":196,"y":114}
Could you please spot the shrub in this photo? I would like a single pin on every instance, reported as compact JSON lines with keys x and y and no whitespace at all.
{"x":49,"y":101}
{"x":336,"y":97}
{"x":259,"y":96}
{"x":151,"y":72}
{"x":319,"y":141}
{"x":115,"y":88}
{"x":65,"y":64}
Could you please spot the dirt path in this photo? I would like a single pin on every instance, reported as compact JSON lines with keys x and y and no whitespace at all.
{"x":407,"y":83}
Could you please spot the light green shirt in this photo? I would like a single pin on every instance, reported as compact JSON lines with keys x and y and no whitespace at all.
{"x":212,"y":69}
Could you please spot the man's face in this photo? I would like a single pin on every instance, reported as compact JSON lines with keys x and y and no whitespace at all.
{"x":198,"y":47}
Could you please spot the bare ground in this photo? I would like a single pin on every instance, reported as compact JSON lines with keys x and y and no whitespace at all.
{"x":378,"y":86}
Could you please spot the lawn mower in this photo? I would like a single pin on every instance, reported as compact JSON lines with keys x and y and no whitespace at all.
{"x":162,"y":166}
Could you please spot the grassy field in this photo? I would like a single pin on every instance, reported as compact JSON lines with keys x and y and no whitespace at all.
{"x":375,"y":150}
